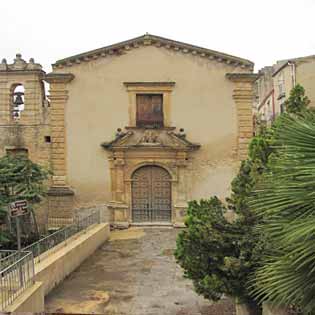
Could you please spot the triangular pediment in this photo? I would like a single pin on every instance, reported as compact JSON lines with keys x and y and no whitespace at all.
{"x":147,"y":40}
{"x":140,"y":138}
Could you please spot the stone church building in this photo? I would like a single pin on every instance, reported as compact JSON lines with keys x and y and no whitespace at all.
{"x":142,"y":126}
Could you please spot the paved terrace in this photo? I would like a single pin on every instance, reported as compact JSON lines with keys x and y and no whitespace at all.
{"x":134,"y":273}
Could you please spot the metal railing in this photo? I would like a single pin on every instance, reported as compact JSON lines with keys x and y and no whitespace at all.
{"x":61,"y":235}
{"x":17,"y":268}
{"x":16,"y":277}
{"x":7,"y":258}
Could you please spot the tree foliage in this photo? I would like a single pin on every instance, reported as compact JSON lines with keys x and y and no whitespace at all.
{"x":20,"y":179}
{"x":219,"y":253}
{"x":297,"y":101}
{"x":285,"y":199}
{"x":221,"y":256}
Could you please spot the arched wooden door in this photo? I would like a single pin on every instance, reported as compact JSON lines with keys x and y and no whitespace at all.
{"x":151,"y":195}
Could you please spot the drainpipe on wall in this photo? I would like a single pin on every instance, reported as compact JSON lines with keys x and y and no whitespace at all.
{"x":273,"y":105}
{"x":293,"y":72}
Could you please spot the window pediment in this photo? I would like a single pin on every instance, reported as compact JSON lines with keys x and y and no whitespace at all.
{"x":137,"y":138}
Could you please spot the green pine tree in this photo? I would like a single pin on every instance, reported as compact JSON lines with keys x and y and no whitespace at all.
{"x":20,"y":179}
{"x":297,"y":101}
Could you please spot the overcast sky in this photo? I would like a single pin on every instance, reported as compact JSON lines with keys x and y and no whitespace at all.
{"x":260,"y":30}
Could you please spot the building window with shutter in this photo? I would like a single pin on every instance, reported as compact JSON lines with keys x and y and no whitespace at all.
{"x":149,"y":110}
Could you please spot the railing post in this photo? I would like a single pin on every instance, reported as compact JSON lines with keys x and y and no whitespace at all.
{"x":65,"y":235}
{"x":38,"y":251}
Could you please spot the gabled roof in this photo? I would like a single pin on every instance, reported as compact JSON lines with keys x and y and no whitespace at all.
{"x":148,"y":39}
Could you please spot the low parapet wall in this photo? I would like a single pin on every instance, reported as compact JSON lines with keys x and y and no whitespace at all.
{"x":53,"y":269}
{"x":55,"y":265}
{"x":32,"y":300}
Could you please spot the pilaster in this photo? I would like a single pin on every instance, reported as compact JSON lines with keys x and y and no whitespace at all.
{"x":58,"y":99}
{"x":180,"y":206}
{"x":60,"y":195}
{"x":5,"y":99}
{"x":243,"y":98}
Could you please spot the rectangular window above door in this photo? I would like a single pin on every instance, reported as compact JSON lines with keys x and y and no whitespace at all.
{"x":149,"y":110}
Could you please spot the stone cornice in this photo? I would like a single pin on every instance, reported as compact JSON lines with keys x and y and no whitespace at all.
{"x":58,"y":77}
{"x":157,"y":41}
{"x":133,"y":84}
{"x":242,"y":77}
{"x":149,"y":86}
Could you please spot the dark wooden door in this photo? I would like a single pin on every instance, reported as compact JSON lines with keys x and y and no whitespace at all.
{"x":151,"y":195}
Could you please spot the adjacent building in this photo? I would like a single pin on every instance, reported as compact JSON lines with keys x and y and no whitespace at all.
{"x":274,"y":84}
{"x":142,"y":126}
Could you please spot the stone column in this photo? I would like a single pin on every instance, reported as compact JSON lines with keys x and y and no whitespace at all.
{"x":60,"y":194}
{"x":32,"y":100}
{"x":119,"y":163}
{"x":117,"y":206}
{"x":181,"y":200}
{"x":5,"y":100}
{"x":243,"y":98}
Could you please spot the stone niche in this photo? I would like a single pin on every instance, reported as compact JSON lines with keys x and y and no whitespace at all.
{"x":134,"y":148}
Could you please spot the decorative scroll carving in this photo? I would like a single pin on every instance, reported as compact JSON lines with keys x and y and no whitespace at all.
{"x":164,"y":138}
{"x":149,"y":137}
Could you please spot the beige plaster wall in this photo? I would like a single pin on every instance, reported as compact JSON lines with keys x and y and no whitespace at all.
{"x":201,"y":103}
{"x":305,"y":75}
{"x":285,"y":73}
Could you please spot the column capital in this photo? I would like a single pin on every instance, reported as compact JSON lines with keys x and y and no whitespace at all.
{"x":59,"y":77}
{"x":242,"y":77}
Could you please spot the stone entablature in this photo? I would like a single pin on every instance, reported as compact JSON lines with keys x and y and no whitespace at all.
{"x":138,"y":147}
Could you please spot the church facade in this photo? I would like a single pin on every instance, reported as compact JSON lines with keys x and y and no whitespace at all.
{"x":142,"y":126}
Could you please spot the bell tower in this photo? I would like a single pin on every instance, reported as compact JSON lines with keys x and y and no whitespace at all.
{"x":24,"y":110}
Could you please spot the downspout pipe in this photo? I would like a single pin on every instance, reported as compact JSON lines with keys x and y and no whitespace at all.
{"x":293,"y":72}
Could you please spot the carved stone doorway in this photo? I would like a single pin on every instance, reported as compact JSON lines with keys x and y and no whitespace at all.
{"x":151,"y":195}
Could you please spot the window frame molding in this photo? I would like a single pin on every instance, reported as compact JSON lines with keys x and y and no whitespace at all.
{"x":134,"y":88}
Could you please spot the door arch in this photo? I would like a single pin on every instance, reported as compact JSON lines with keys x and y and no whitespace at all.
{"x":151,"y":193}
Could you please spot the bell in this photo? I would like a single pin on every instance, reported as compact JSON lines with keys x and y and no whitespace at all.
{"x":18,"y":98}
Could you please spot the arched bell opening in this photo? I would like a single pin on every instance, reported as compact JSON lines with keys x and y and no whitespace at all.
{"x":17,"y":101}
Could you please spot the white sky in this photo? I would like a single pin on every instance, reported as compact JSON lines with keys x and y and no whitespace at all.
{"x":260,"y":30}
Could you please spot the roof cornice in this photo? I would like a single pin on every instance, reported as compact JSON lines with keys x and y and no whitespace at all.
{"x":148,"y":39}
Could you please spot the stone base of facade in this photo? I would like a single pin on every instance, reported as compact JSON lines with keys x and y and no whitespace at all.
{"x":60,"y":206}
{"x":179,"y":225}
{"x":120,"y":216}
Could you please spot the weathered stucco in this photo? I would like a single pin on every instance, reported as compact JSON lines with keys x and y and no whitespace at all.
{"x":201,"y":103}
{"x":207,"y":93}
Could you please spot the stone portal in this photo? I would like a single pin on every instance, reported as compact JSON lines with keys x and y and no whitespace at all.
{"x":149,"y":176}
